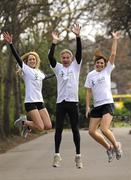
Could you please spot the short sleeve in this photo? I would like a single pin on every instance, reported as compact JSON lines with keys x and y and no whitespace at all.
{"x":76,"y":65}
{"x":57,"y":68}
{"x":88,"y":83}
{"x":109,"y":67}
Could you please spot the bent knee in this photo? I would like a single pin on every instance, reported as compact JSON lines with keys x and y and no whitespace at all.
{"x":91,"y":132}
{"x":40,"y":127}
{"x":48,"y":127}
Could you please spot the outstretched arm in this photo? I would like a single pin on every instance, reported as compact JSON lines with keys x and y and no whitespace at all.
{"x":76,"y":30}
{"x":48,"y":76}
{"x":116,"y":36}
{"x":8,"y":39}
{"x":51,"y":57}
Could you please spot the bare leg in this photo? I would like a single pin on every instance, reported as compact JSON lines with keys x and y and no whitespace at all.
{"x":105,"y":124}
{"x":36,"y":120}
{"x":45,"y":118}
{"x":93,"y":126}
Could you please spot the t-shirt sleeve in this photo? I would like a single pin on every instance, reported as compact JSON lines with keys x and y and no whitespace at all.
{"x":109,"y":67}
{"x":43,"y":75}
{"x":88,"y":83}
{"x":25,"y":68}
{"x":56,"y":68}
{"x":76,"y":65}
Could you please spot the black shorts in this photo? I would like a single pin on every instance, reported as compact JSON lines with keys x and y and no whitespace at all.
{"x":98,"y":112}
{"x":34,"y":105}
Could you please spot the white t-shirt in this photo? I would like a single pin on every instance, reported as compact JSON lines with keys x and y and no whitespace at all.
{"x":33,"y":84}
{"x":67,"y":81}
{"x":100,"y":83}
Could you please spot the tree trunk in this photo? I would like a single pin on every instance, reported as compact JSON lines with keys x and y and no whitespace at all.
{"x":2,"y":135}
{"x":7,"y":93}
{"x":17,"y":110}
{"x":20,"y":95}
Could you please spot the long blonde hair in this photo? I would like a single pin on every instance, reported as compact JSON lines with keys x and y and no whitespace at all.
{"x":25,"y":59}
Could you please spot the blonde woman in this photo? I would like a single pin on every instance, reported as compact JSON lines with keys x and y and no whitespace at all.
{"x":33,"y":77}
{"x":98,"y":84}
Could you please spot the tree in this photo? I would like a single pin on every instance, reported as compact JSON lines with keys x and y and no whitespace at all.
{"x":2,"y":135}
{"x":113,"y":14}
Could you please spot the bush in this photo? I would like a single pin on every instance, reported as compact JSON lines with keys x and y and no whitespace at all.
{"x":121,"y":112}
{"x":127,"y":105}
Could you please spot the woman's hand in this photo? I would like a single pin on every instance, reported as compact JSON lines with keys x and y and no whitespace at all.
{"x":7,"y":37}
{"x":87,"y":112}
{"x":116,"y":35}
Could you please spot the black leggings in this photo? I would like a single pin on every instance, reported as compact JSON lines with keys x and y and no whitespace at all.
{"x":72,"y":109}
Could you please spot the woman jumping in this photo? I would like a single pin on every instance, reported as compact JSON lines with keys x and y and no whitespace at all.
{"x":98,"y":84}
{"x":33,"y":77}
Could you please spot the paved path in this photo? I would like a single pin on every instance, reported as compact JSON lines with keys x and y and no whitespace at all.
{"x":33,"y":160}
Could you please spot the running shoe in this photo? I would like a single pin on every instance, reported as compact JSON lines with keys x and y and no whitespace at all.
{"x":25,"y":131}
{"x":110,"y":154}
{"x":119,"y":151}
{"x":78,"y":161}
{"x":57,"y":160}
{"x":20,"y":122}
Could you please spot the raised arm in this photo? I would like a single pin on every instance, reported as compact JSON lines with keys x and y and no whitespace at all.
{"x":51,"y":57}
{"x":8,"y":39}
{"x":116,"y":36}
{"x":76,"y":30}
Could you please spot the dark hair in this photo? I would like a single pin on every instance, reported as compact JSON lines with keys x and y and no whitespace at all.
{"x":100,"y":57}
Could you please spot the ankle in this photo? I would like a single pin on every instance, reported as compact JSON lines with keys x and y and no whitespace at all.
{"x":78,"y":155}
{"x":58,"y":154}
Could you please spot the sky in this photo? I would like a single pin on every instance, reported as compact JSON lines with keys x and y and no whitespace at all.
{"x":91,"y":30}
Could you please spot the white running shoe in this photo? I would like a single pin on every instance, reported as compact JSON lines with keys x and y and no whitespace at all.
{"x":57,"y":160}
{"x":119,"y":151}
{"x":78,"y":161}
{"x":20,"y":122}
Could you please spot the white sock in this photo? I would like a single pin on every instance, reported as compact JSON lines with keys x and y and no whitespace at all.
{"x":78,"y":155}
{"x":58,"y":154}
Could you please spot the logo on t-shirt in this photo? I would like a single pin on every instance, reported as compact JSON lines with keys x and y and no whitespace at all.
{"x":98,"y":81}
{"x":101,"y":80}
{"x":62,"y":74}
{"x":93,"y":83}
{"x":66,"y":75}
{"x":36,"y":76}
